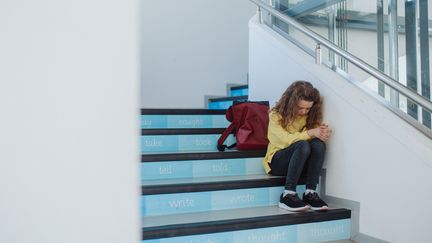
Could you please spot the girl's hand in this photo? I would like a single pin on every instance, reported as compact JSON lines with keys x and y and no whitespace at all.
{"x":322,"y":132}
{"x":325,"y":132}
{"x":315,"y":132}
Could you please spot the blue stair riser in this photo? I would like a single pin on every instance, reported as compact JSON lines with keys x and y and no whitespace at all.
{"x":301,"y":233}
{"x":219,"y":105}
{"x":239,"y":92}
{"x":201,"y":168}
{"x":183,"y":121}
{"x":173,"y":203}
{"x":163,"y":204}
{"x":175,"y":143}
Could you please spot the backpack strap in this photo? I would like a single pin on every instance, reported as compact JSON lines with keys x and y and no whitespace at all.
{"x":220,"y":146}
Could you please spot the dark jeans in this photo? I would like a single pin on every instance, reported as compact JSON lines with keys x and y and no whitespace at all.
{"x":290,"y":162}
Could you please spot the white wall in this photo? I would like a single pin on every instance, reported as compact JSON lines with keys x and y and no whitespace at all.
{"x":69,"y":85}
{"x":192,"y":48}
{"x":374,"y":157}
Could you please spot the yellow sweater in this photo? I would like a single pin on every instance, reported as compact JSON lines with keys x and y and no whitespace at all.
{"x":280,"y":138}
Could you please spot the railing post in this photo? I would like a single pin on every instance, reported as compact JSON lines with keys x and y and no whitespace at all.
{"x":318,"y":59}
{"x":411,"y":54}
{"x":271,"y":3}
{"x":269,"y":18}
{"x":259,"y":13}
{"x":393,"y":49}
{"x":332,"y":31}
{"x":424,"y":58}
{"x":380,"y":44}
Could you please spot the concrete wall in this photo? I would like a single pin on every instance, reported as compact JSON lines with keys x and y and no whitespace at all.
{"x":374,"y":157}
{"x":69,"y":149}
{"x":192,"y":48}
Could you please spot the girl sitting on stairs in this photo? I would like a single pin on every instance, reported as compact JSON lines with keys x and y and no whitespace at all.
{"x":296,"y":137}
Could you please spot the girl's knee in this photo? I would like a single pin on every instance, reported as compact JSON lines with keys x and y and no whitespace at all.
{"x":304,"y":147}
{"x":317,"y":145}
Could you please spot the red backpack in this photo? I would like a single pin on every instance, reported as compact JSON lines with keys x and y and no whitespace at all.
{"x":249,"y":122}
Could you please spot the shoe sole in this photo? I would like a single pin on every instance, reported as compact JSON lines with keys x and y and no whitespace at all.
{"x":320,"y":208}
{"x":284,"y":206}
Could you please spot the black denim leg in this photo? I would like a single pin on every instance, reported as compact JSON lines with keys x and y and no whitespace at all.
{"x":314,"y":163}
{"x":290,"y":161}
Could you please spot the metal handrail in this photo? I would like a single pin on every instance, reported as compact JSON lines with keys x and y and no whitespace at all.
{"x":425,"y":103}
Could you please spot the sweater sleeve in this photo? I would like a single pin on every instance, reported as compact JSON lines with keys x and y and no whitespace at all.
{"x":280,"y":137}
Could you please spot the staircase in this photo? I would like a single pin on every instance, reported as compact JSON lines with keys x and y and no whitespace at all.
{"x":239,"y":93}
{"x":193,"y":193}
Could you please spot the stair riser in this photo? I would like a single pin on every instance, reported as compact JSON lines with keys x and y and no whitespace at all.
{"x":183,"y":121}
{"x":239,"y":92}
{"x":211,"y":200}
{"x":201,"y":168}
{"x":164,"y":204}
{"x":220,"y":105}
{"x":301,"y":233}
{"x":175,"y":143}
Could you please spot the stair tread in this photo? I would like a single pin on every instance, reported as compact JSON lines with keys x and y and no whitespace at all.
{"x":241,"y":218}
{"x":145,"y":111}
{"x":219,"y":179}
{"x":229,"y":98}
{"x":181,"y":131}
{"x":240,"y":86}
{"x":212,"y":216}
{"x":200,"y":155}
{"x":183,"y":185}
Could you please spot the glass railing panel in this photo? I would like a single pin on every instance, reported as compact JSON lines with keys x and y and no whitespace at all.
{"x":366,"y":41}
{"x":384,"y":34}
{"x":350,"y":29}
{"x":339,"y":23}
{"x":424,"y":19}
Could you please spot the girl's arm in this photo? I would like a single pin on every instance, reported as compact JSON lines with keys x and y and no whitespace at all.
{"x":280,"y":137}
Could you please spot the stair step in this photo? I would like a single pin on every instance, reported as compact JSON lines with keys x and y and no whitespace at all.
{"x":173,"y":140}
{"x":162,"y":197}
{"x":257,"y":224}
{"x":193,"y":165}
{"x":183,"y":118}
{"x":239,"y":90}
{"x":181,"y":112}
{"x":229,"y":98}
{"x":224,"y":102}
{"x":150,"y":187}
{"x":181,"y":131}
{"x":228,"y":154}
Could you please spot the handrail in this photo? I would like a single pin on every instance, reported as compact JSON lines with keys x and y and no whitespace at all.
{"x":425,"y":103}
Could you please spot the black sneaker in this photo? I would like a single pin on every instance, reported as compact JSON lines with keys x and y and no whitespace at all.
{"x":315,"y":202}
{"x":292,"y":202}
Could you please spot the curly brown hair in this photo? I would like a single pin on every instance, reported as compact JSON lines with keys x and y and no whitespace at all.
{"x":287,"y":104}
